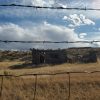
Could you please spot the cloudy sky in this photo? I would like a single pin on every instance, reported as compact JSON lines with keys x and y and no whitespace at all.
{"x":31,"y":24}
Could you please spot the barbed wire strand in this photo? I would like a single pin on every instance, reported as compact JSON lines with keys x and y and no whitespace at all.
{"x":60,"y":73}
{"x":8,"y":41}
{"x":46,"y":7}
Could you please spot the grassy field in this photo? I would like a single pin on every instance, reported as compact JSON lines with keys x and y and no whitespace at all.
{"x":82,"y":86}
{"x":20,"y":67}
{"x":56,"y":87}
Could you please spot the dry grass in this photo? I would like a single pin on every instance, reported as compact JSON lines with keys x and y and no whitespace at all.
{"x":83,"y":87}
{"x":18,"y":67}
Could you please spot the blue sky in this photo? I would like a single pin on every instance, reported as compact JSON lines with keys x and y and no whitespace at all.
{"x":45,"y":24}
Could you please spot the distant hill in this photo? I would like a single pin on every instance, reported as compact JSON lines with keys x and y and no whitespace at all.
{"x":15,"y":55}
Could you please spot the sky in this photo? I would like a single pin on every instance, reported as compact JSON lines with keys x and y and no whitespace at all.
{"x":29,"y":24}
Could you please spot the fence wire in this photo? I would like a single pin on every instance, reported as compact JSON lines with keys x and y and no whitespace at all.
{"x":9,"y":41}
{"x":45,"y":7}
{"x":41,"y":74}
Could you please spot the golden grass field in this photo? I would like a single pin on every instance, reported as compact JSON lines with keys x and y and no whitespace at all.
{"x":19,"y":67}
{"x":82,"y":86}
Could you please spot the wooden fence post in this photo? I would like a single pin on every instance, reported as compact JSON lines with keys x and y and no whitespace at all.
{"x":69,"y":86}
{"x":35,"y":87}
{"x":1,"y":89}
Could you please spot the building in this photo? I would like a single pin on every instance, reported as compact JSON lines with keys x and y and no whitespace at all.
{"x":61,"y":56}
{"x":49,"y":56}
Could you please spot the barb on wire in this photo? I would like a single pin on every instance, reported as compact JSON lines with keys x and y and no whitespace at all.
{"x":47,"y":7}
{"x":7,"y":41}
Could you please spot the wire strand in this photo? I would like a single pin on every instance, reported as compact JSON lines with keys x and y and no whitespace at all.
{"x":9,"y":41}
{"x":46,"y":7}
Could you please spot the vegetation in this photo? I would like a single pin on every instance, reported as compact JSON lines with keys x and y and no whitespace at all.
{"x":82,"y":86}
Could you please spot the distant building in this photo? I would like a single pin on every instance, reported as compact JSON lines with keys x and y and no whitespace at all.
{"x":48,"y":56}
{"x":62,"y":56}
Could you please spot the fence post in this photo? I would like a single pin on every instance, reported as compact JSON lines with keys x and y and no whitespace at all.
{"x":35,"y":87}
{"x":69,"y":86}
{"x":1,"y":87}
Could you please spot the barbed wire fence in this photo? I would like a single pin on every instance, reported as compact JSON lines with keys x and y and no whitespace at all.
{"x":47,"y":7}
{"x":36,"y":75}
{"x":42,"y":74}
{"x":10,"y":41}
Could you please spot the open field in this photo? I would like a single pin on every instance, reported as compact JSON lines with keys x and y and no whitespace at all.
{"x":49,"y":87}
{"x":19,"y":67}
{"x":19,"y":62}
{"x":82,"y":86}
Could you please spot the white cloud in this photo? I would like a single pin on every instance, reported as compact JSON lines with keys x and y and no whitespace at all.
{"x":82,"y":35}
{"x":42,"y":2}
{"x":75,"y":19}
{"x":92,"y":4}
{"x":78,"y":20}
{"x":98,"y":29}
{"x":86,"y":21}
{"x":95,"y":4}
{"x":44,"y":31}
{"x":33,"y":2}
{"x":65,"y":18}
{"x":71,"y":25}
{"x":24,"y":12}
{"x":48,"y":3}
{"x":77,"y":3}
{"x":62,"y":5}
{"x":93,"y":36}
